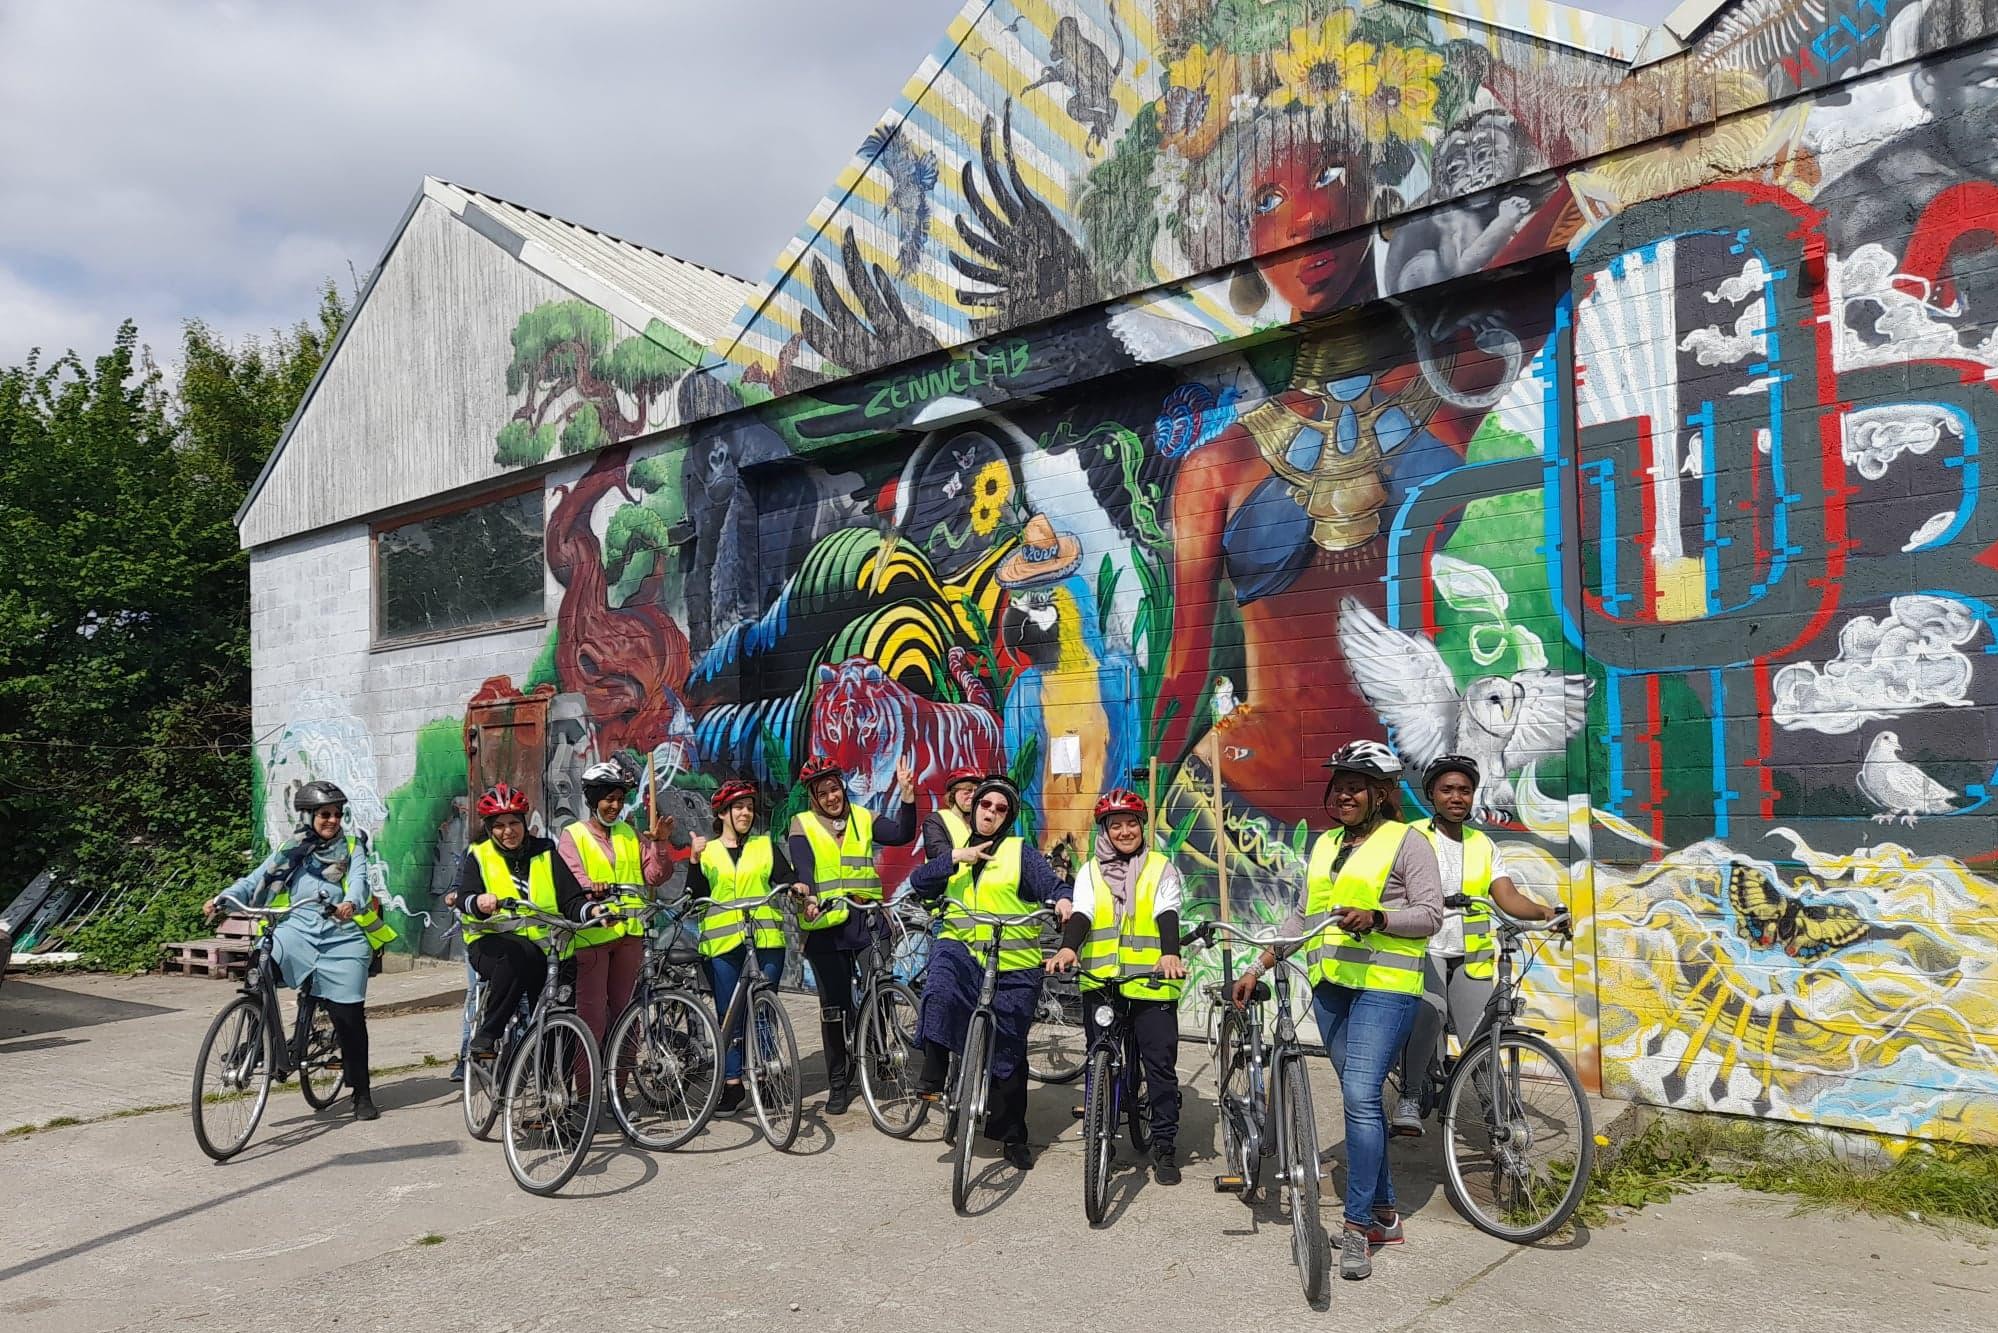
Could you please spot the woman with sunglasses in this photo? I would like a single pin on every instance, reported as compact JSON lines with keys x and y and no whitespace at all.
{"x":998,"y":873}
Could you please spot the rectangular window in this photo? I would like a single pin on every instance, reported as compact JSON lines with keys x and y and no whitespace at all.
{"x":460,"y":571}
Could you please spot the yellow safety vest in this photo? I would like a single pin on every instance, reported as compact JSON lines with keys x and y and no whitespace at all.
{"x":738,"y":880}
{"x":955,"y":824}
{"x":1377,"y":960}
{"x":368,"y":916}
{"x":843,"y":869}
{"x":1123,"y":951}
{"x":1480,"y":959}
{"x":500,"y":883}
{"x":996,"y":892}
{"x":627,"y":868}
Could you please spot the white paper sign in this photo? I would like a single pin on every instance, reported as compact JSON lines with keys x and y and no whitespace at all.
{"x":1065,"y":756}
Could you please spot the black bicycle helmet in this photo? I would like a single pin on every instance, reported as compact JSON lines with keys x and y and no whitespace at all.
{"x":317,"y":793}
{"x":1449,"y":763}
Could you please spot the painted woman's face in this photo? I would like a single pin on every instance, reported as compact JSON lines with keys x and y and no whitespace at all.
{"x":1308,"y":192}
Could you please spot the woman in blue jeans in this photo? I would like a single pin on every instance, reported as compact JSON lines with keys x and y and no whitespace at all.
{"x":1373,"y":896}
{"x":734,"y":870}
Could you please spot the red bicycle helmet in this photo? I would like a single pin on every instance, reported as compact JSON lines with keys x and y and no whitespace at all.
{"x":732,"y":791}
{"x":1120,"y":801}
{"x":501,"y":799}
{"x":964,"y":774}
{"x":817,"y":768}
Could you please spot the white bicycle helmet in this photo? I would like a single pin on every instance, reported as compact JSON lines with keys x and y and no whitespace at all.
{"x":1369,"y":758}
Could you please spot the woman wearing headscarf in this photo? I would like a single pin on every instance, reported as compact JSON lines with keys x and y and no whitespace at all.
{"x":998,"y":873}
{"x":328,"y":942}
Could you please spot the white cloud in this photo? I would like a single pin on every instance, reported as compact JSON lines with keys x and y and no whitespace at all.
{"x":219,"y":160}
{"x":1884,"y":669}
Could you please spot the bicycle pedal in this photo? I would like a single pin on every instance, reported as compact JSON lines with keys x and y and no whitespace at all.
{"x":1227,"y":1184}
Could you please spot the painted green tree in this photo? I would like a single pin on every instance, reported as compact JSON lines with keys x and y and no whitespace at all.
{"x":575,"y":376}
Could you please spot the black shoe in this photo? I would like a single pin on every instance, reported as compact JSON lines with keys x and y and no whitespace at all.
{"x":838,"y":1100}
{"x":1019,"y":1156}
{"x":1165,"y":1165}
{"x":483,"y":1047}
{"x":364,"y":1107}
{"x":731,"y":1099}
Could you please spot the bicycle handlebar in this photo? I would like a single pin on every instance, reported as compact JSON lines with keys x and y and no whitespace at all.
{"x":242,"y":909}
{"x":1206,"y":930}
{"x":1458,"y":902}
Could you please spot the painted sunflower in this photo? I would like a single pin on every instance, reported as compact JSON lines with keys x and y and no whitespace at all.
{"x":1199,"y":94}
{"x":1399,"y":87}
{"x":1321,"y":64}
{"x":991,"y":488}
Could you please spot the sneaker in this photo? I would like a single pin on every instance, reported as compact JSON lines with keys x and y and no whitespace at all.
{"x":1385,"y":1233}
{"x":1354,"y":1262}
{"x":364,"y":1107}
{"x":1407,"y":1121}
{"x":458,"y":1072}
{"x":1165,"y":1165}
{"x":1019,"y":1156}
{"x":731,"y":1099}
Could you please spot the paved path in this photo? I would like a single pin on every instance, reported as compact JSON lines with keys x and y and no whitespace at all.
{"x":321,"y":1224}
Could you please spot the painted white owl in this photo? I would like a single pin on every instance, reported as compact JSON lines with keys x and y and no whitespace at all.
{"x":1503,"y":722}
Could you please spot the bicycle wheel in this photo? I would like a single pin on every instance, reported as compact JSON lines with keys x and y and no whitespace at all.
{"x":1057,"y":1046}
{"x":479,"y":1094}
{"x":1518,"y":1143}
{"x":971,"y":1074}
{"x":774,"y":1084}
{"x":232,"y":1077}
{"x":889,"y":1060}
{"x":1310,"y":1249}
{"x":321,"y":1076}
{"x":549,"y":1122}
{"x":1235,"y":1097}
{"x":1098,"y":1136}
{"x":1137,"y":1106}
{"x":662,"y":1070}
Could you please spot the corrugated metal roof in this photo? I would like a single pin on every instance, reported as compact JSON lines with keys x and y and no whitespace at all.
{"x":700,"y":302}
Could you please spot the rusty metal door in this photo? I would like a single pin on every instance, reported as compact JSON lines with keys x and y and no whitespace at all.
{"x":506,"y":740}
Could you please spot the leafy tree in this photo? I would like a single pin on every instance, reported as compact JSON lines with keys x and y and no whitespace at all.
{"x":124,"y":616}
{"x":575,"y":375}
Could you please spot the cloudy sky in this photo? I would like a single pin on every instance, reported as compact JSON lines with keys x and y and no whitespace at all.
{"x":167,"y":159}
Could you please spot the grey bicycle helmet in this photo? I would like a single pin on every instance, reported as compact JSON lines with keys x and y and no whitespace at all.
{"x":317,"y":793}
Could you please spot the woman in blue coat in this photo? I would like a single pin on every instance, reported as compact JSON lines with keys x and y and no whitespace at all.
{"x":328,"y":948}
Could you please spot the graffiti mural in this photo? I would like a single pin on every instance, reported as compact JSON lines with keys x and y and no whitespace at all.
{"x":1171,"y":390}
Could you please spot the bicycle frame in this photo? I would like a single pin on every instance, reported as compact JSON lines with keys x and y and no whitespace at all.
{"x":971,"y":1099}
{"x":751,"y":983}
{"x":261,"y":981}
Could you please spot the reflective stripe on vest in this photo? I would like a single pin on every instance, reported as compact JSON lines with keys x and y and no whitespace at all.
{"x":996,"y":892}
{"x":733,"y":883}
{"x":839,"y":869}
{"x":368,"y":916}
{"x":501,"y":884}
{"x":1480,"y":960}
{"x":1129,"y":950}
{"x":954,"y":824}
{"x":1377,"y":960}
{"x":624,"y":866}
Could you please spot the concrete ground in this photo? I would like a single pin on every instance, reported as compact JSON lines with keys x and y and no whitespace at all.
{"x":324,"y":1222}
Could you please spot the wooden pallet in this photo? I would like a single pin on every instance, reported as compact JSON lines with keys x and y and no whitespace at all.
{"x":220,"y":958}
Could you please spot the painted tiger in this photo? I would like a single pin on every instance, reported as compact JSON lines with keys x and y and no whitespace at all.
{"x":866,"y":722}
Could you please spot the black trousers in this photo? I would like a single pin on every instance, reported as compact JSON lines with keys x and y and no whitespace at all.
{"x":1155,"y":1026}
{"x":513,"y":969}
{"x":350,"y":1028}
{"x":832,"y":974}
{"x":1005,"y":1104}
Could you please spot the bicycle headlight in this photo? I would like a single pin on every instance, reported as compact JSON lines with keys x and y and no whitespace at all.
{"x":1105,"y":1015}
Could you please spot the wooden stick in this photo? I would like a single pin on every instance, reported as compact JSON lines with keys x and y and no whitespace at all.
{"x":651,"y":796}
{"x":1221,"y":846}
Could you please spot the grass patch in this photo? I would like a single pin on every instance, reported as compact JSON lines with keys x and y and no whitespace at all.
{"x":432,"y":1239}
{"x":1925,"y":1183}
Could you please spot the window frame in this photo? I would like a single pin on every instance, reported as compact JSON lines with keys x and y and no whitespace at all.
{"x":380,"y":643}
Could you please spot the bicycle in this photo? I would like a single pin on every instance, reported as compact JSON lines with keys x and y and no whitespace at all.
{"x":1248,"y":1111}
{"x":970,"y":1080}
{"x":1111,"y":1091}
{"x":770,"y":1060}
{"x":663,"y":1046}
{"x":551,"y":1089}
{"x":478,"y":1091}
{"x":1057,"y":1047}
{"x":886,"y":1048}
{"x":245,"y":1037}
{"x":1496,"y":1181}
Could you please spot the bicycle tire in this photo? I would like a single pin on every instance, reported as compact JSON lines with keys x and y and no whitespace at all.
{"x":1234,"y":1089}
{"x":479,"y":1096}
{"x":1310,"y":1248}
{"x":1098,"y":1138}
{"x":322,"y":1050}
{"x":1545,"y":1205}
{"x":775,"y":1088}
{"x":662,"y":1070}
{"x":1057,"y":1045}
{"x":1137,"y":1107}
{"x":971,"y":1072}
{"x":888,"y":1061}
{"x":249,"y":1039}
{"x":540,"y":1102}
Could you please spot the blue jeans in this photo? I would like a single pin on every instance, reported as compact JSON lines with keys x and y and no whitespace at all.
{"x":1363,"y":1031}
{"x":724,"y":973}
